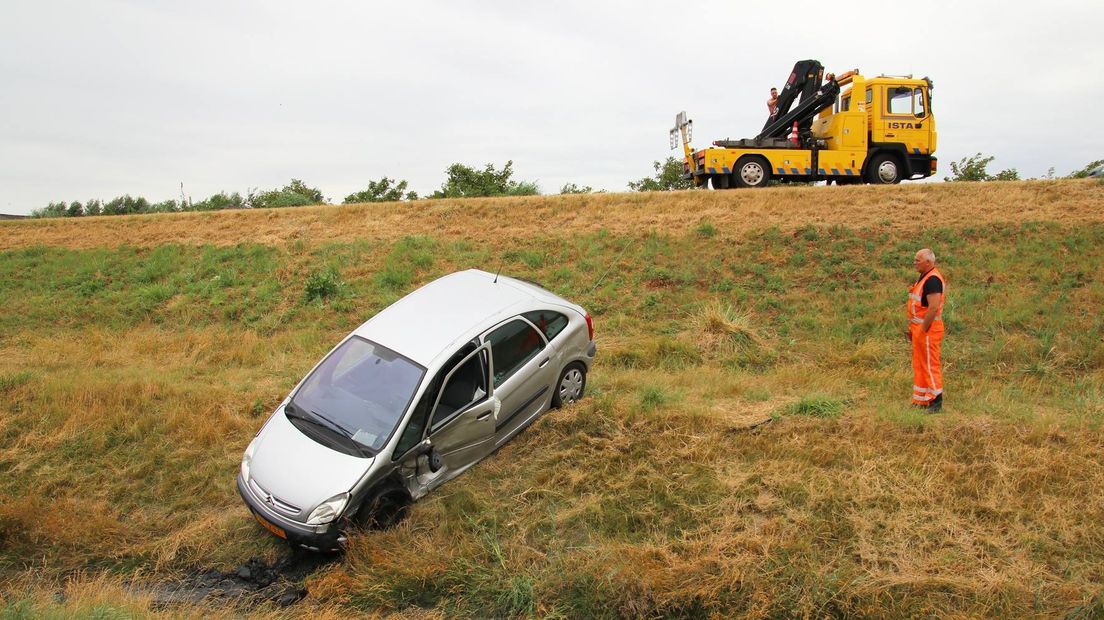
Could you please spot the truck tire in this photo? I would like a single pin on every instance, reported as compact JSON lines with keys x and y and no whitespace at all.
{"x":884,"y":169}
{"x":720,"y":181}
{"x":751,"y":171}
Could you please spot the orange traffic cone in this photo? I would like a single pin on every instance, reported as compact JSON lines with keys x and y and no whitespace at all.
{"x":793,"y":134}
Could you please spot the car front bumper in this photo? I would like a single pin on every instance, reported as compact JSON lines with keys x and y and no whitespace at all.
{"x":326,"y":537}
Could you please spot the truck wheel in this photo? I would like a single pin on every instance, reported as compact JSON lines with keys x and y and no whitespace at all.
{"x":884,"y":169}
{"x":752,"y":172}
{"x":720,"y":181}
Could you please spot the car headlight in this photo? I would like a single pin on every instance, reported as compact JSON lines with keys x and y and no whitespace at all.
{"x":328,"y":510}
{"x":247,"y":458}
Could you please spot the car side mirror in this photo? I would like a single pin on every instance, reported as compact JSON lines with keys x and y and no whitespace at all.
{"x":423,"y":448}
{"x":434,"y":457}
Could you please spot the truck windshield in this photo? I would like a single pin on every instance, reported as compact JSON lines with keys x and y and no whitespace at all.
{"x":361,"y":389}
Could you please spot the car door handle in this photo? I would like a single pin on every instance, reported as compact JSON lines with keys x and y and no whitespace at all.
{"x":484,"y":416}
{"x":544,"y":363}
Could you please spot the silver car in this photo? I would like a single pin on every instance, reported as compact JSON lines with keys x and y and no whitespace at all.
{"x":413,"y":397}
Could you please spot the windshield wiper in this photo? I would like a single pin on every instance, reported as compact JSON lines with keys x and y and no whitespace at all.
{"x":337,"y":426}
{"x":318,"y":419}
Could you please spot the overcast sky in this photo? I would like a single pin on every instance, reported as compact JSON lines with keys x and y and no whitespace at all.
{"x":105,"y":98}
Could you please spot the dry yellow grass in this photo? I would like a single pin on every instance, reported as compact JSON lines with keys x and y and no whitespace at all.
{"x":902,"y":208}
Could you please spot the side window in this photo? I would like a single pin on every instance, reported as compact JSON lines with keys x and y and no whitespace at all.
{"x":845,"y":104}
{"x":549,"y":322}
{"x":413,"y":432}
{"x":899,"y":100}
{"x":918,"y":102}
{"x":512,"y":345}
{"x":466,"y":386}
{"x":869,"y":95}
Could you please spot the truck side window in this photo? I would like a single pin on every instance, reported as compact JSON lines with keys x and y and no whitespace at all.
{"x":899,"y":100}
{"x":845,"y":104}
{"x":918,"y":102}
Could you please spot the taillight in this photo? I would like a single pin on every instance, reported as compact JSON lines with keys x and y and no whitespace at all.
{"x":590,"y":325}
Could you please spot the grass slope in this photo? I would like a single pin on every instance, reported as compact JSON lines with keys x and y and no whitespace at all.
{"x":138,"y":355}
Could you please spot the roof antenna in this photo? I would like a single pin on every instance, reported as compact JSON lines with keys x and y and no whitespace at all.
{"x":496,"y":274}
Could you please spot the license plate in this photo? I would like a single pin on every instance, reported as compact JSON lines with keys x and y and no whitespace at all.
{"x":268,"y":526}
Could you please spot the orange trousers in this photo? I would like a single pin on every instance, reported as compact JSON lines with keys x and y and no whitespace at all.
{"x":927,"y":372}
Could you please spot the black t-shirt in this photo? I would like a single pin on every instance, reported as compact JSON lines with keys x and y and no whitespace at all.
{"x":933,"y":285}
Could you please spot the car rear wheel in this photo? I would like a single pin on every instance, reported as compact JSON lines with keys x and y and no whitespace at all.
{"x":570,"y":386}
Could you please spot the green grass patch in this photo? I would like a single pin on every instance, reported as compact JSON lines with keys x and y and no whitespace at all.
{"x":816,"y":406}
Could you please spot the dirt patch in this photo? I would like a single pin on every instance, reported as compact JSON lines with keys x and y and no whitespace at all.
{"x":252,"y":583}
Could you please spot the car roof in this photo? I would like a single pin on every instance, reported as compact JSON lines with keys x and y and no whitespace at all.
{"x":455,"y":308}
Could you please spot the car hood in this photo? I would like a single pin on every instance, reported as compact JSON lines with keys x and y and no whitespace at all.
{"x":300,"y":471}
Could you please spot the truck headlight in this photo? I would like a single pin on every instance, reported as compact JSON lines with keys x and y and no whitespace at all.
{"x":247,"y":458}
{"x":328,"y":510}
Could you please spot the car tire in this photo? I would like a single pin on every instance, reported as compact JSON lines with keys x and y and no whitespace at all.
{"x":752,"y":171}
{"x":884,"y":169}
{"x":384,"y":508}
{"x":570,"y":386}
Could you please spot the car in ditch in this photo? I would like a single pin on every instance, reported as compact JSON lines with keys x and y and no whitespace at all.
{"x":410,"y":399}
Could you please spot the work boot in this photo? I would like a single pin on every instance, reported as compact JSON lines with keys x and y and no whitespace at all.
{"x":936,"y":405}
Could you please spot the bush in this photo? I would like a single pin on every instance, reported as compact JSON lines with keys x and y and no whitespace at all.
{"x":1087,"y":170}
{"x":384,"y":190}
{"x":668,"y":177}
{"x":294,"y":194}
{"x":571,"y":188}
{"x":466,"y":182}
{"x":974,"y":169}
{"x":323,"y":284}
{"x":217,"y":202}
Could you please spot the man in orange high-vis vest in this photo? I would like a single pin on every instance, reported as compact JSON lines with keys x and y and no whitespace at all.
{"x":925,"y":321}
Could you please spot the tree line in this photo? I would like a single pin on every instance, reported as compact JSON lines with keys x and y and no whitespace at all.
{"x":461,"y":181}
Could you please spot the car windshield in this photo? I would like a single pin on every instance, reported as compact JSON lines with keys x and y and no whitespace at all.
{"x":360,"y":390}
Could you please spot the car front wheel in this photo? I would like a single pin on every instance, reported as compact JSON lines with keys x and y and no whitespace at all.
{"x":384,"y":508}
{"x":571,"y":385}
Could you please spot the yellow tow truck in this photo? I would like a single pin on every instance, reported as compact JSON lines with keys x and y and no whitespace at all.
{"x":844,"y":129}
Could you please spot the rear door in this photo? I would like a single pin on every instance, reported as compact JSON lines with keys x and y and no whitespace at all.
{"x":525,"y":367}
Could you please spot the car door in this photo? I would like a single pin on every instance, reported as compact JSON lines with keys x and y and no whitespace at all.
{"x":462,"y":422}
{"x":525,"y":367}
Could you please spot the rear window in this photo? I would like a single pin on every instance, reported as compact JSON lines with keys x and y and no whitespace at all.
{"x":550,"y":323}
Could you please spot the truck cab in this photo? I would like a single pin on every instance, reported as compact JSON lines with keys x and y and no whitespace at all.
{"x":883,"y":115}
